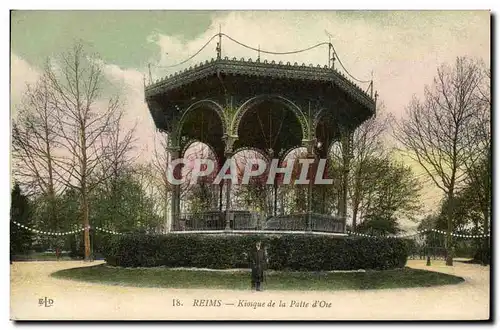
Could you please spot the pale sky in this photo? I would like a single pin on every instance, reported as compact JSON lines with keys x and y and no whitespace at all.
{"x":402,"y":48}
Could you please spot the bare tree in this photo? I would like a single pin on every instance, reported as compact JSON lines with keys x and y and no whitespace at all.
{"x":35,"y":144}
{"x":120,"y":142}
{"x":84,"y":125}
{"x":114,"y":174}
{"x":367,"y":143}
{"x":434,"y":131}
{"x":33,"y":139}
{"x":159,"y":164}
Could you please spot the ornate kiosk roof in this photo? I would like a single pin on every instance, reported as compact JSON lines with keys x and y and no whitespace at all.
{"x":232,"y":82}
{"x":264,"y":69}
{"x":322,"y":100}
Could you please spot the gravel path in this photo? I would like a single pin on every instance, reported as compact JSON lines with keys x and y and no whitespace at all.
{"x":31,"y":281}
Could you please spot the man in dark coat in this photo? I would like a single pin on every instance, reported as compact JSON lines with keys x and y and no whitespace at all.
{"x":258,"y":266}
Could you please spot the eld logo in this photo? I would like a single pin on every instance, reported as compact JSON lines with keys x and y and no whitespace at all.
{"x":46,"y":302}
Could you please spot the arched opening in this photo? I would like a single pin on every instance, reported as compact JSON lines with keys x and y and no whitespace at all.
{"x":269,"y":123}
{"x":203,"y":121}
{"x":253,"y":193}
{"x":199,"y":196}
{"x":292,"y":198}
{"x":335,"y":172}
{"x":326,"y":131}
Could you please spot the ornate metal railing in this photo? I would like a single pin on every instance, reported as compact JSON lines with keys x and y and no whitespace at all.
{"x":247,"y":220}
{"x":305,"y":221}
{"x":216,"y":220}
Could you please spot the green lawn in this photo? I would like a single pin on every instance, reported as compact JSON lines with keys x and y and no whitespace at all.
{"x":169,"y":278}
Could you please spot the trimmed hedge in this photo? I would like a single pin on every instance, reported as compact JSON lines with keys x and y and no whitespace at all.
{"x":483,"y":255}
{"x":285,"y":252}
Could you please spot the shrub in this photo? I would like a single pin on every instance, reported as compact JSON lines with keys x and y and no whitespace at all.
{"x":483,"y":255}
{"x":286,"y":252}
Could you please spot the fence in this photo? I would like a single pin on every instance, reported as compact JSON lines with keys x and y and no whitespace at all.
{"x":432,"y":243}
{"x":247,"y":220}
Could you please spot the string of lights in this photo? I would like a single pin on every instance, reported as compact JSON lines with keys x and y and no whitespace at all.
{"x":418,"y":232}
{"x":44,"y":232}
{"x":70,"y":232}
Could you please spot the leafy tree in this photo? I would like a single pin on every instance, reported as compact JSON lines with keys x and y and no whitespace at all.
{"x":390,"y":190}
{"x":201,"y":196}
{"x":392,"y":193}
{"x":470,"y":212}
{"x":396,"y":192}
{"x":462,"y":214}
{"x":378,"y":224}
{"x":134,"y":209}
{"x":428,"y":222}
{"x":66,"y":205}
{"x":20,"y":238}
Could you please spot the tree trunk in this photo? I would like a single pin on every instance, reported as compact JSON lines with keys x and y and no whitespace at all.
{"x":86,"y":224}
{"x":345,"y":172}
{"x":228,"y":204}
{"x":355,"y":201}
{"x":449,"y":243}
{"x":168,"y":224}
{"x":486,"y":241}
{"x":354,"y":216}
{"x":229,"y":182}
{"x":275,"y":196}
{"x":221,"y":186}
{"x":476,"y":231}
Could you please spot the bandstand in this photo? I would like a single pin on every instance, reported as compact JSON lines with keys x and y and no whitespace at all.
{"x":226,"y":102}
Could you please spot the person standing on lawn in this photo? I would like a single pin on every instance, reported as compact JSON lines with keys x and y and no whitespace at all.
{"x":258,"y":266}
